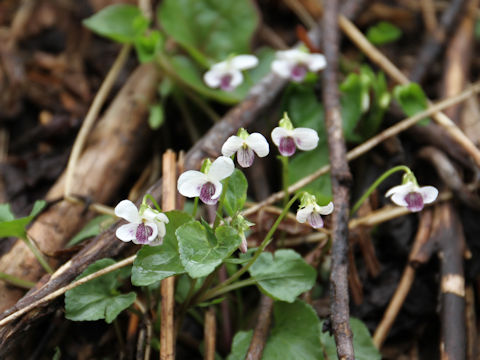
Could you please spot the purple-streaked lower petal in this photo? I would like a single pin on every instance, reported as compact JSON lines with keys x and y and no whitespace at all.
{"x":245,"y":157}
{"x":414,"y":201}
{"x":127,"y":210}
{"x":304,"y":213}
{"x":287,"y":146}
{"x":429,"y":194}
{"x":298,"y":72}
{"x":316,"y":62}
{"x":258,"y":143}
{"x":208,"y":192}
{"x":231,"y":146}
{"x":243,"y":62}
{"x":282,"y":68}
{"x":305,"y":138}
{"x":325,"y":210}
{"x":221,"y":168}
{"x":145,"y":233}
{"x":190,"y":183}
{"x":226,"y":83}
{"x":127,"y":232}
{"x":315,"y":220}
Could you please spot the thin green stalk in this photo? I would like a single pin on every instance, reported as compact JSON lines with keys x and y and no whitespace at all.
{"x":385,"y":175}
{"x":234,"y":286}
{"x":154,"y":202}
{"x":284,"y":160}
{"x":195,"y":207}
{"x":13,"y":280}
{"x":218,"y":215}
{"x":38,"y":254}
{"x":255,"y":256}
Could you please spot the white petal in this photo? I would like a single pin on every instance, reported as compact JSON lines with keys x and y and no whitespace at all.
{"x":292,"y":55}
{"x":163,"y":218}
{"x":155,"y":230}
{"x":190,"y":183}
{"x":243,"y":62}
{"x":128,"y":211}
{"x":237,"y":78}
{"x":305,"y":138}
{"x":161,"y":229}
{"x":221,"y":168}
{"x":231,"y":146}
{"x":399,"y":198}
{"x":127,"y":232}
{"x":218,"y":189}
{"x":429,"y":194}
{"x":325,"y":210}
{"x":402,"y":189}
{"x":278,"y":133}
{"x":213,"y":78}
{"x":316,"y":62}
{"x":258,"y":143}
{"x":282,"y":68}
{"x":304,"y":213}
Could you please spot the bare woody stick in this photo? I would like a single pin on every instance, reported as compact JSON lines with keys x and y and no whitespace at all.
{"x":260,"y":333}
{"x":169,"y":197}
{"x":210,"y":334}
{"x":341,"y":179}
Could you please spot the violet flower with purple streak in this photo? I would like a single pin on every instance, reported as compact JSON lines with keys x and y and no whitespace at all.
{"x":206,"y":185}
{"x":245,"y":145}
{"x":288,"y":138}
{"x":146,"y":227}
{"x":294,"y":64}
{"x":227,"y":75}
{"x":411,"y":196}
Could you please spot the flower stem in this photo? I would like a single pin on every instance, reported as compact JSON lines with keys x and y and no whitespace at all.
{"x":37,"y":254}
{"x":154,"y":202}
{"x":220,"y":204}
{"x":195,"y":207}
{"x":377,"y":182}
{"x":25,"y":284}
{"x":255,"y":256}
{"x":225,"y":289}
{"x":284,"y":160}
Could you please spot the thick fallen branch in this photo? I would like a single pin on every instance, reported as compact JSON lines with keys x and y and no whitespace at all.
{"x":341,"y":181}
{"x":113,"y":147}
{"x":260,"y":333}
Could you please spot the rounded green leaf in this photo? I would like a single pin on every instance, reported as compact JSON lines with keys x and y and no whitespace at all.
{"x":201,"y":251}
{"x":98,"y":298}
{"x":155,"y":263}
{"x":121,"y":22}
{"x":284,"y":275}
{"x":210,"y":29}
{"x":383,"y":33}
{"x":236,"y":192}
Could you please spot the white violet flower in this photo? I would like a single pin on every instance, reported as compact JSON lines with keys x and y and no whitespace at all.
{"x":288,"y":138}
{"x":295,"y":63}
{"x":206,"y":185}
{"x":146,"y":227}
{"x":227,"y":75}
{"x":412,"y":196}
{"x":309,"y":211}
{"x":245,"y":145}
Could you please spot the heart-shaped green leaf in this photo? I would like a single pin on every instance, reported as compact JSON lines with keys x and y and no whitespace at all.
{"x":283,"y":276}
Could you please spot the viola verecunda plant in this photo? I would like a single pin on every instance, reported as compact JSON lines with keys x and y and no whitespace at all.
{"x":296,"y":63}
{"x":245,"y":145}
{"x":146,"y":226}
{"x":411,"y":196}
{"x":227,"y":75}
{"x":288,"y":138}
{"x":206,"y":185}
{"x":309,"y":211}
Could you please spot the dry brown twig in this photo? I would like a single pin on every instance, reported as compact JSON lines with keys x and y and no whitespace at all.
{"x":341,"y":181}
{"x":210,"y":333}
{"x":169,"y":197}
